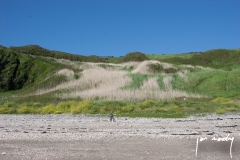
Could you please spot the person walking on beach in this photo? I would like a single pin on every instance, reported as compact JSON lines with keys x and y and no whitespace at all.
{"x":112,"y":119}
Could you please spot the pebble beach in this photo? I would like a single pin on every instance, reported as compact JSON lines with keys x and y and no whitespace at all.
{"x":67,"y":136}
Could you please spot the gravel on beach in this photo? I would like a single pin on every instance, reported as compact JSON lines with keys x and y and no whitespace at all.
{"x":67,"y":136}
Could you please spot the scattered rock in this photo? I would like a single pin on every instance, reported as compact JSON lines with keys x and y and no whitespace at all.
{"x":211,"y":119}
{"x":233,"y":118}
{"x":16,"y":130}
{"x":227,"y":126}
{"x":191,"y":120}
{"x":180,"y":134}
{"x":211,"y":133}
{"x":160,"y":127}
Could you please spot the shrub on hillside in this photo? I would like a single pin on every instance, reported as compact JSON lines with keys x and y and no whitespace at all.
{"x":65,"y":107}
{"x":49,"y":109}
{"x":128,"y":108}
{"x":146,"y":104}
{"x":77,"y":76}
{"x":155,"y":68}
{"x":170,"y":70}
{"x":134,"y":56}
{"x":26,"y":110}
{"x":158,"y":68}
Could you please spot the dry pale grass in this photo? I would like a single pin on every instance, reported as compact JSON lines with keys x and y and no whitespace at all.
{"x":150,"y":84}
{"x":74,"y":64}
{"x":107,"y":66}
{"x":182,"y":74}
{"x":167,"y":65}
{"x":200,"y":67}
{"x":111,"y":89}
{"x":96,"y":64}
{"x":97,"y":82}
{"x":93,"y":80}
{"x":205,"y":68}
{"x":66,"y":72}
{"x":128,"y":64}
{"x":184,"y":70}
{"x":187,"y":66}
{"x":143,"y":68}
{"x":120,"y":66}
{"x":167,"y":82}
{"x":131,"y":95}
{"x":84,"y":65}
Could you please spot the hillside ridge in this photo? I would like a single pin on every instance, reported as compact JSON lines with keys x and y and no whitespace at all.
{"x":34,"y":71}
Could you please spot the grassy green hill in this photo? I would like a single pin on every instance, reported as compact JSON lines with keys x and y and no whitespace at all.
{"x":28,"y":72}
{"x":18,"y":70}
{"x":39,"y":51}
{"x":218,"y":58}
{"x":37,"y":80}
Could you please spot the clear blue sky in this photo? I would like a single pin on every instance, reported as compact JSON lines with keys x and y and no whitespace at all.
{"x":117,"y":27}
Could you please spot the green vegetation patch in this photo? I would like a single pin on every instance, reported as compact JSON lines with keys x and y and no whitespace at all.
{"x":218,"y":58}
{"x":216,"y":83}
{"x":147,"y":108}
{"x":137,"y":80}
{"x":35,"y":50}
{"x":158,"y":68}
{"x":133,"y":56}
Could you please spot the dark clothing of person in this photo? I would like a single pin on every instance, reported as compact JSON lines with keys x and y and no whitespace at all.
{"x":112,"y":117}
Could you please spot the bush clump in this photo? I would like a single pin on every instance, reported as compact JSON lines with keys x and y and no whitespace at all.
{"x":155,"y":68}
{"x":85,"y":107}
{"x":133,"y":56}
{"x":49,"y":109}
{"x":8,"y":108}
